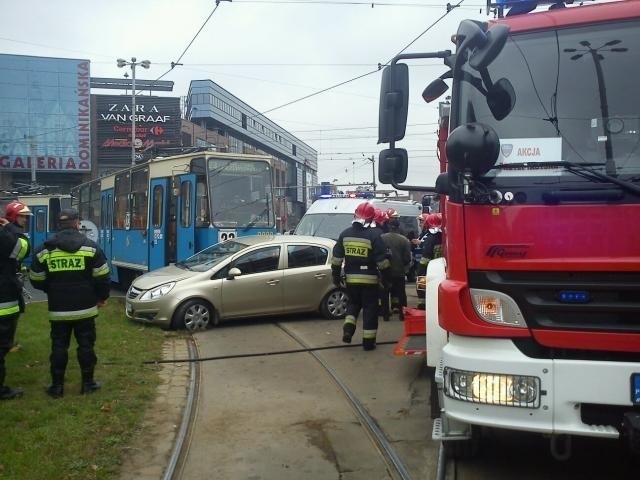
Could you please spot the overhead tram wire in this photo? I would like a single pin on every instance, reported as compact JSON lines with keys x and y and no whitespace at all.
{"x":449,"y":9}
{"x":177,"y":62}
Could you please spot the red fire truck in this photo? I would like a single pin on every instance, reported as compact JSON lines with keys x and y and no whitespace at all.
{"x":533,"y":313}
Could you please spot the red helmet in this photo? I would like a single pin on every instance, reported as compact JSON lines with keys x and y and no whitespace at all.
{"x":393,"y":213}
{"x":15,"y":208}
{"x":434,"y":220}
{"x":380,"y":217}
{"x":364,"y":213}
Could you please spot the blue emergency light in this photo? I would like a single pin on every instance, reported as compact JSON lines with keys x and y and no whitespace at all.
{"x":517,"y":7}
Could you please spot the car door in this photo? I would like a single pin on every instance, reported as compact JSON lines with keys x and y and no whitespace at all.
{"x":258,"y":290}
{"x":307,"y":277}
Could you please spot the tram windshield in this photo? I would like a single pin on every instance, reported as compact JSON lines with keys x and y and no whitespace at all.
{"x":240,"y":193}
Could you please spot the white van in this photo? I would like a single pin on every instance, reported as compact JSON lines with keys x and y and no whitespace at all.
{"x":328,"y":217}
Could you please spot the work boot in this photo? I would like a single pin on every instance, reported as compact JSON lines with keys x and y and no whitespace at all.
{"x":55,"y":390}
{"x":368,"y":344}
{"x":7,"y":393}
{"x":90,"y":387}
{"x":348,"y":329}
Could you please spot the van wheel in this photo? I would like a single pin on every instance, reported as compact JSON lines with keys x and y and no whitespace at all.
{"x":334,"y":304}
{"x":193,"y":315}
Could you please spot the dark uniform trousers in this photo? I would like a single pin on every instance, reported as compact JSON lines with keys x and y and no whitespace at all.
{"x":85,"y":333}
{"x":8,"y":325}
{"x":364,"y":297}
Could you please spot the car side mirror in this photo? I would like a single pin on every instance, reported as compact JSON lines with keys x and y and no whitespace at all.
{"x":233,"y":273}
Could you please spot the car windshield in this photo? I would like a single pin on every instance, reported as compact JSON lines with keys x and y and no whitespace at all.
{"x":574,"y":102}
{"x":327,"y":225}
{"x":211,"y":256}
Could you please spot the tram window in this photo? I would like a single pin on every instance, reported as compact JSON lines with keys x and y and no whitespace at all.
{"x":139,"y":206}
{"x":94,"y":205}
{"x":121,"y":203}
{"x":185,"y":210}
{"x":41,"y":221}
{"x":83,"y":205}
{"x":158,"y":195}
{"x":202,"y":205}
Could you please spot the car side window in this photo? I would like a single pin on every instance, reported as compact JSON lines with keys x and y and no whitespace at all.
{"x":263,"y":260}
{"x":306,"y":255}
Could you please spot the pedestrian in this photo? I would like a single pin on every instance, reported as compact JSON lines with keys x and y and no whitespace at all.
{"x":399,"y":247}
{"x":73,"y":271}
{"x":14,"y":247}
{"x":364,"y":256}
{"x":432,"y":242}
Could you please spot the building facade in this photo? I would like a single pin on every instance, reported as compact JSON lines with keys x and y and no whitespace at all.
{"x":45,"y":121}
{"x":247,"y":130}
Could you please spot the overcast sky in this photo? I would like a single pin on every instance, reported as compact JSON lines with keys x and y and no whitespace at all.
{"x":268,"y":54}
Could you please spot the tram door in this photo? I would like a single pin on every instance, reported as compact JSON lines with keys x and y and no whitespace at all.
{"x":185,"y":216}
{"x":158,"y":220}
{"x":106,"y":222}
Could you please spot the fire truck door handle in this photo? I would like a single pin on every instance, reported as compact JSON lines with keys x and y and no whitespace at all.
{"x":320,"y":275}
{"x":273,"y":282}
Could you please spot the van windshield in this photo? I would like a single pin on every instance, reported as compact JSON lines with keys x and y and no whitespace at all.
{"x":328,"y":225}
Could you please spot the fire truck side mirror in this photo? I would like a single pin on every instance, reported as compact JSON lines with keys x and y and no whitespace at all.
{"x":495,"y":39}
{"x":501,"y":98}
{"x":473,"y":147}
{"x":394,"y":103}
{"x":393,"y":165}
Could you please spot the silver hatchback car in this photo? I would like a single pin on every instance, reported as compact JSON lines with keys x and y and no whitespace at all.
{"x":240,"y":278}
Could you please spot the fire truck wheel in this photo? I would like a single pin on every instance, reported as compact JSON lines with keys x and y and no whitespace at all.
{"x":195,"y":314}
{"x":334,"y":304}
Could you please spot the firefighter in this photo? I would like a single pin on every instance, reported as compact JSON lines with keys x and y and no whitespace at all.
{"x":73,"y":271}
{"x":400,"y":248}
{"x":363,"y":253}
{"x":14,"y":247}
{"x":432,"y":241}
{"x":379,"y":227}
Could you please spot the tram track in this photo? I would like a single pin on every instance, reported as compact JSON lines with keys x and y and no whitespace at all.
{"x":395,"y":466}
{"x":206,"y":351}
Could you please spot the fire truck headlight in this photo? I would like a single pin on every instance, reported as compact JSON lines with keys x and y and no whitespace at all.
{"x":496,"y":307}
{"x":492,"y":388}
{"x":157,"y":292}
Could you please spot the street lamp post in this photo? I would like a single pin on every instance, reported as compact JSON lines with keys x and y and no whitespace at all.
{"x":145,"y":64}
{"x":597,"y":58}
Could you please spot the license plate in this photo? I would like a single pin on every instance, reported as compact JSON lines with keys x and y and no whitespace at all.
{"x":128,"y":308}
{"x":635,"y":388}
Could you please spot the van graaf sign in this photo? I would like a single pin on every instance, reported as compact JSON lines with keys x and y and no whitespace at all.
{"x":56,"y":141}
{"x":157,"y":124}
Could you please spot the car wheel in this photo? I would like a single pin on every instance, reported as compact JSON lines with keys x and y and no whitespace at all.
{"x":334,"y":304}
{"x":193,"y":315}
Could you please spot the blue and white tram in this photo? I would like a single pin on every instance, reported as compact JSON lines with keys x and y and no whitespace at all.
{"x":165,"y":210}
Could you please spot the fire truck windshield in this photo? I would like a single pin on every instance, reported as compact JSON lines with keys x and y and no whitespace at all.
{"x":575,"y":101}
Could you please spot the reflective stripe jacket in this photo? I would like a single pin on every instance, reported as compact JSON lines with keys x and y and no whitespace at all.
{"x":363,"y":253}
{"x":14,"y":247}
{"x":73,"y":270}
{"x":431,"y":248}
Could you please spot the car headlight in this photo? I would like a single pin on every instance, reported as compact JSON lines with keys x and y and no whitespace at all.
{"x":492,"y":388}
{"x":157,"y":292}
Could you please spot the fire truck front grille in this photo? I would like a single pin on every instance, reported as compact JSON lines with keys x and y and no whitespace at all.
{"x":588,"y":301}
